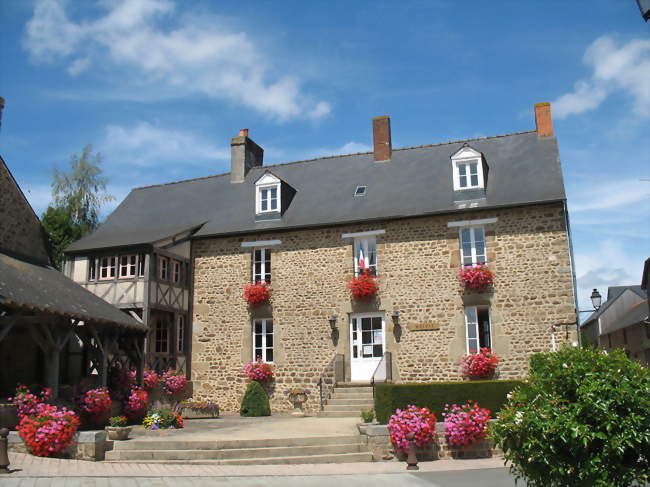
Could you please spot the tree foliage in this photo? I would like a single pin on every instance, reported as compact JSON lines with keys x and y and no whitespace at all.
{"x":255,"y":401}
{"x":582,"y":420}
{"x":77,"y":197}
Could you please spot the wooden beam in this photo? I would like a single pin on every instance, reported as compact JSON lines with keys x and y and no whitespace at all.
{"x":5,"y":329}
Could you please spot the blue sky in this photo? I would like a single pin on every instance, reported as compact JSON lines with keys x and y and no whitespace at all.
{"x":160,"y":86}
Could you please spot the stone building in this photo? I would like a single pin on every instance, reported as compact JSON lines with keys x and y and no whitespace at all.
{"x":410,"y":216}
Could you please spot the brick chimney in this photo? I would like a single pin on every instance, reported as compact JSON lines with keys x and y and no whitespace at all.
{"x":382,"y":146}
{"x":543,"y":119}
{"x":244,"y":155}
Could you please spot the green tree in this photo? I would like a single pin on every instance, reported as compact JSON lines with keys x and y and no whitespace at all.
{"x":77,"y":197}
{"x":581,"y":420}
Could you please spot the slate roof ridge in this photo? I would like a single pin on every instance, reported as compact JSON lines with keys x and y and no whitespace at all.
{"x":437,"y":144}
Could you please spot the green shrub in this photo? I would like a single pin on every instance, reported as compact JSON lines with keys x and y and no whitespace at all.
{"x":583,"y":420}
{"x":490,"y":394}
{"x":255,"y":401}
{"x":368,"y":415}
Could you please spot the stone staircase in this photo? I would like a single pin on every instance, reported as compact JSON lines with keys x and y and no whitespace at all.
{"x":348,"y":400}
{"x":324,"y":449}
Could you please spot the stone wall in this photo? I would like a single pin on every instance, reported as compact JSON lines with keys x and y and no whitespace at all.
{"x":418,"y":260}
{"x":20,"y":229}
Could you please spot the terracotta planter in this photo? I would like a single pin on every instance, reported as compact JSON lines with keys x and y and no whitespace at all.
{"x":8,"y":416}
{"x":118,"y":433}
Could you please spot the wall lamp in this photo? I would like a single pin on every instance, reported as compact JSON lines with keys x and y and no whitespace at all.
{"x":397,"y":328}
{"x":332,"y":320}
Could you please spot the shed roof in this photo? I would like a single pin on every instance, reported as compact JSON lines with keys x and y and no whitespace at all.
{"x":41,"y":288}
{"x":522,"y":169}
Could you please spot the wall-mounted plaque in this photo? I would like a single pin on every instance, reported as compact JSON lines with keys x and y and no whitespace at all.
{"x":423,"y":326}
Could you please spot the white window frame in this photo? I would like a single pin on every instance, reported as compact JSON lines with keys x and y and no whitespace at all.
{"x":467,"y":156}
{"x":475,"y":325}
{"x":265,"y":264}
{"x":111,"y":264}
{"x":180,"y":333}
{"x":474,"y":256}
{"x":266,"y":183}
{"x":130,"y":269}
{"x":264,"y":334}
{"x":92,"y":268}
{"x":176,"y":271}
{"x":363,"y":244}
{"x":163,"y":268}
{"x":141,"y":264}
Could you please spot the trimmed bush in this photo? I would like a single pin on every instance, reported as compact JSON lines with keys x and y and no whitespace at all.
{"x":582,"y":419}
{"x":490,"y":394}
{"x":255,"y":402}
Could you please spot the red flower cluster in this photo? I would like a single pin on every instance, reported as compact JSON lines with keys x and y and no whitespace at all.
{"x":259,"y":371}
{"x":49,"y":430}
{"x":419,"y":422}
{"x":150,"y":379}
{"x":136,"y":404}
{"x":364,"y":287}
{"x":26,"y":402}
{"x":477,"y":277}
{"x":257,"y":293}
{"x":465,"y":424}
{"x":480,"y":365}
{"x":173,"y":382}
{"x":96,"y":403}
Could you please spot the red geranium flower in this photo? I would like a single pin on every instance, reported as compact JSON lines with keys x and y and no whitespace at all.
{"x":257,"y":293}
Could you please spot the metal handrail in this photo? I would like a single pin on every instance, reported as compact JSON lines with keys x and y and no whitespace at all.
{"x":322,"y":385}
{"x":386,"y":361}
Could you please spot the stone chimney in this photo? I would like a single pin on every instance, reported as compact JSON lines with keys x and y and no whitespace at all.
{"x":382,"y":146}
{"x":244,"y":155}
{"x":543,"y":119}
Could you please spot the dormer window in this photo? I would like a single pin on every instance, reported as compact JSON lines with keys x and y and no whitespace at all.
{"x":468,"y":169}
{"x":267,"y":190}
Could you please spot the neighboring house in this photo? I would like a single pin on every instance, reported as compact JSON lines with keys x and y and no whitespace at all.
{"x":412,"y":216}
{"x":621,"y":322}
{"x":52,"y":331}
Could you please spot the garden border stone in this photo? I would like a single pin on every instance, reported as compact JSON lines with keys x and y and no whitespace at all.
{"x":89,"y":445}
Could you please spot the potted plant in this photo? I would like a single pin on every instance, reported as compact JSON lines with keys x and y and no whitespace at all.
{"x":95,"y":404}
{"x":163,"y":419}
{"x":173,"y":382}
{"x":364,"y":287}
{"x":367,"y":417}
{"x":297,"y":396}
{"x":118,"y":430}
{"x":259,"y":371}
{"x":136,"y":404}
{"x":480,"y":365}
{"x":257,"y":293}
{"x":465,"y":424}
{"x":477,"y":277}
{"x":417,"y":422}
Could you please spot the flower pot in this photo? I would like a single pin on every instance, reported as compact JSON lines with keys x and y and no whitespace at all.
{"x":298,"y":400}
{"x":363,"y":427}
{"x":118,"y":433}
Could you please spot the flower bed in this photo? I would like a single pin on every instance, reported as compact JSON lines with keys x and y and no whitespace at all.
{"x":173,"y":382}
{"x":163,"y":419}
{"x":95,"y":404}
{"x":259,"y":371}
{"x":418,"y":422}
{"x":479,"y":277}
{"x":27,"y":402}
{"x":364,"y":287}
{"x":465,"y":424}
{"x":480,"y":365}
{"x":257,"y":293}
{"x":49,"y":430}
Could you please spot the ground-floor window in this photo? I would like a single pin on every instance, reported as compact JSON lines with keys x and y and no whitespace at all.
{"x":477,"y":320}
{"x":161,"y":340}
{"x":263,"y":340}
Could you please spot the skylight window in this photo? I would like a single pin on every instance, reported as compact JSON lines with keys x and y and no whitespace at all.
{"x":360,"y":191}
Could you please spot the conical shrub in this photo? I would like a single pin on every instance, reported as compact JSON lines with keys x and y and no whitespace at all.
{"x":255,"y":402}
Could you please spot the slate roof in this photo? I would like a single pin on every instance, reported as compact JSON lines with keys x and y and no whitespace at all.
{"x":523,"y":169}
{"x":41,"y":288}
{"x":613,"y":293}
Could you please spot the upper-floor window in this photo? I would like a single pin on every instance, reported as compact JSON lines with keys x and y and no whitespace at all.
{"x":180,"y":333}
{"x":176,"y":271}
{"x":472,"y":246}
{"x":163,"y":268}
{"x":262,"y":265}
{"x":467,"y":167}
{"x":365,"y":255}
{"x":263,"y":340}
{"x":92,"y":268}
{"x":267,"y":194}
{"x":107,"y":267}
{"x":141,"y":261}
{"x":128,"y":265}
{"x":477,"y":322}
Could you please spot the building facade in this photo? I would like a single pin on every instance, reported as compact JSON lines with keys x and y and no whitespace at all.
{"x":412,"y":217}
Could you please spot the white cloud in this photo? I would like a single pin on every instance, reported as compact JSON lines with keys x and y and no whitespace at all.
{"x":604,"y":195}
{"x":198,"y":56}
{"x":624,"y":68}
{"x":146,"y":145}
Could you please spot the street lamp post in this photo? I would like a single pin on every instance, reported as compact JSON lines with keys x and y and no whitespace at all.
{"x":596,"y":302}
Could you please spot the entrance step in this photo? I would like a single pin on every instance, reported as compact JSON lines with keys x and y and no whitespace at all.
{"x":325,"y":449}
{"x":348,"y":400}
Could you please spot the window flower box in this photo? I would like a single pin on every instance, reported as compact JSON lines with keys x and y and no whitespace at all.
{"x":257,"y":293}
{"x":480,"y":365}
{"x":363,"y":287}
{"x":478,"y":277}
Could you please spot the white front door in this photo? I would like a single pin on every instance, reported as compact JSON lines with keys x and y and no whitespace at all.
{"x":367,"y":342}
